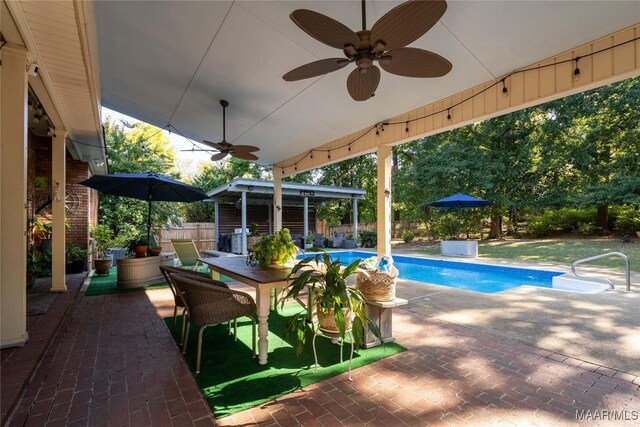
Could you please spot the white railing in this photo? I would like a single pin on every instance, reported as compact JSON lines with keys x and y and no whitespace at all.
{"x":607,"y":255}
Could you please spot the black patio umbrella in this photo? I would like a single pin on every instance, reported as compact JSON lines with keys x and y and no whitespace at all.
{"x":459,"y":200}
{"x":146,"y":186}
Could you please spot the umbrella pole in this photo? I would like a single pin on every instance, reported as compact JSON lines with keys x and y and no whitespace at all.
{"x":149,"y":223}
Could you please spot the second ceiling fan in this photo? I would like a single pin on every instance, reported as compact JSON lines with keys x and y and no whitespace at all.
{"x":384,"y":43}
{"x":226,"y":148}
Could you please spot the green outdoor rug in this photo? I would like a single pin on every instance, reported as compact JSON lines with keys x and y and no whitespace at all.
{"x":232,"y":381}
{"x":102,"y":285}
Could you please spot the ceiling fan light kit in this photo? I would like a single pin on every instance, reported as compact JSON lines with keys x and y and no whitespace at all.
{"x":225,"y":148}
{"x":385,"y":43}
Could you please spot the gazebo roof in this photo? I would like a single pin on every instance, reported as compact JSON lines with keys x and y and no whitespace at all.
{"x":261,"y":192}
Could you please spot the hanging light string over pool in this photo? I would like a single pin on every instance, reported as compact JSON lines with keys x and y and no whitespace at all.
{"x":505,"y":92}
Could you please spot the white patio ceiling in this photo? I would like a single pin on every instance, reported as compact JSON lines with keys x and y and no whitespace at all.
{"x":171,"y":62}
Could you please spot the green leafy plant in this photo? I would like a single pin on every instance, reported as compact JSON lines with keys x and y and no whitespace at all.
{"x":254,"y":229}
{"x":104,"y":237}
{"x":277,"y":247}
{"x":327,"y":281}
{"x":42,"y":228}
{"x":369,"y":239}
{"x":76,"y":253}
{"x":408,"y":236}
{"x":310,"y":239}
{"x":38,"y":263}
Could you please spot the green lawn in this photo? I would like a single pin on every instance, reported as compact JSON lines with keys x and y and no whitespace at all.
{"x":558,"y":250}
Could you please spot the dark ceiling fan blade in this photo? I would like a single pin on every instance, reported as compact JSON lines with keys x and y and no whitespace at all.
{"x":362,"y":86}
{"x":405,"y":23}
{"x":414,"y":62}
{"x":324,"y":29}
{"x":243,"y":155}
{"x":246,"y":148}
{"x":316,"y":68}
{"x":218,"y":156}
{"x":217,"y":145}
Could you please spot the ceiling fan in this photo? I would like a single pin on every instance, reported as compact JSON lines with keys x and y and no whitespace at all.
{"x":225,"y":148}
{"x":385,"y":42}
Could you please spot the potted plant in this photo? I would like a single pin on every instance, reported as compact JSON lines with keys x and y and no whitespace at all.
{"x":76,"y":259}
{"x":141,"y":248}
{"x":254,"y":236}
{"x":155,"y":251}
{"x":276,"y":249}
{"x":42,"y":228}
{"x":309,"y":240}
{"x":339,"y":307}
{"x":103,"y":236}
{"x":36,"y":265}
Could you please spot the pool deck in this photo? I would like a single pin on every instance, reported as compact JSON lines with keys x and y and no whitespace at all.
{"x":602,"y":328}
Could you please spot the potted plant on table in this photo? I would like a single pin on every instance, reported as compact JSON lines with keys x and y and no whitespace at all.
{"x":340,"y":308}
{"x":103,"y":235}
{"x":275,"y":249}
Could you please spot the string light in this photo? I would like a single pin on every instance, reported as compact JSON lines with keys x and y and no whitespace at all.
{"x":312,"y":154}
{"x":328,"y":154}
{"x":406,"y":129}
{"x":295,"y":167}
{"x":505,"y":91}
{"x":576,"y":70}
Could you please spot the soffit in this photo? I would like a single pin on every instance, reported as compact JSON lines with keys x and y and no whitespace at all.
{"x":171,"y":62}
{"x":54,"y":40}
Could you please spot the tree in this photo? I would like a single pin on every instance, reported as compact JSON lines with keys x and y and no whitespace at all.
{"x":213,"y":175}
{"x":134,"y":148}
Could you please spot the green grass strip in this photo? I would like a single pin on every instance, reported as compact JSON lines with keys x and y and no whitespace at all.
{"x":232,"y":381}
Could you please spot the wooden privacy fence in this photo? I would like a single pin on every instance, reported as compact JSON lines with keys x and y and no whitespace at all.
{"x":397,"y":228}
{"x":202,"y":233}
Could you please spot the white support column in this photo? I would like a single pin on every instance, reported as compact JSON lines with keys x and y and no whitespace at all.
{"x":13,"y":196}
{"x":306,"y":219}
{"x":384,"y":200}
{"x":355,"y":219}
{"x":277,"y":199}
{"x":58,"y":185}
{"x":243,"y":223}
{"x":216,"y":225}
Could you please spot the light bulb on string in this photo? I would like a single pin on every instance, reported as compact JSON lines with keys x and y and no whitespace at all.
{"x":505,"y":91}
{"x":448,"y":114}
{"x":576,"y":70}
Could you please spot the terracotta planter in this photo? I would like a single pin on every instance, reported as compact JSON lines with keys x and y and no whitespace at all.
{"x":141,"y":251}
{"x":102,"y":266}
{"x":327,"y":322}
{"x":155,"y":251}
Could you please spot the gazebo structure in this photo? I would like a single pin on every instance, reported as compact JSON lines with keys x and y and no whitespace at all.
{"x":245,"y":201}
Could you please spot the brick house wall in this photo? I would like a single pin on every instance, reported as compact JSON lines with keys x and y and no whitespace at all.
{"x":82,"y":200}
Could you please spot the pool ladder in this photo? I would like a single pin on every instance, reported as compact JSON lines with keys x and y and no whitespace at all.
{"x":607,"y":255}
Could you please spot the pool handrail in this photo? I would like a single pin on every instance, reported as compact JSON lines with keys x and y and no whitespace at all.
{"x":607,"y":255}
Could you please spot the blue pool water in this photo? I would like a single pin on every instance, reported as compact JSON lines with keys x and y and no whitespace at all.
{"x":462,"y":275}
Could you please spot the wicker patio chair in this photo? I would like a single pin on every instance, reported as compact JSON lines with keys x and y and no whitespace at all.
{"x":167,"y":271}
{"x":210,"y":305}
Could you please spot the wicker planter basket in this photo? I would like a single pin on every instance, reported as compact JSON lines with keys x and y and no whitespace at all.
{"x":328,"y":322}
{"x":377,"y":285}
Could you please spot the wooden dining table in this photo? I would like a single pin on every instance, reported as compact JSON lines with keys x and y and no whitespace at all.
{"x":263,"y":279}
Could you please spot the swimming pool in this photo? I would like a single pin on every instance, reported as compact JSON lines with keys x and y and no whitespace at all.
{"x":483,"y":278}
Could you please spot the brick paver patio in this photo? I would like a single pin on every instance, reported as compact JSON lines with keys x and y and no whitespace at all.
{"x":113,"y":362}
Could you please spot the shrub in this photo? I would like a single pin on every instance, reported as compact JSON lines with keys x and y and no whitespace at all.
{"x":368,"y":239}
{"x":444,"y":226}
{"x":563,"y":221}
{"x":627,"y":220}
{"x":422,"y":230}
{"x":407,"y":236}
